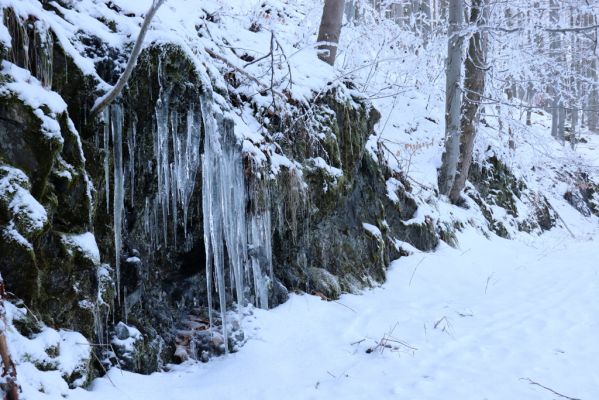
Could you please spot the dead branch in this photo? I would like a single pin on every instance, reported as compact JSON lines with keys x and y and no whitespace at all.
{"x":391,"y":343}
{"x":105,"y":100}
{"x":549,"y":389}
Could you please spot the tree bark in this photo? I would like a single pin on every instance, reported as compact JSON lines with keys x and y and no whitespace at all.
{"x":453,"y":98}
{"x":554,"y":46}
{"x":9,"y":372}
{"x":330,"y":30}
{"x":474,"y":86}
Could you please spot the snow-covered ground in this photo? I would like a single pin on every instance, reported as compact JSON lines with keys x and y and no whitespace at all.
{"x":470,"y":323}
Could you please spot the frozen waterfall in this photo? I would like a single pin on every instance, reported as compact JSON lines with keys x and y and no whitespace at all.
{"x":238,"y":246}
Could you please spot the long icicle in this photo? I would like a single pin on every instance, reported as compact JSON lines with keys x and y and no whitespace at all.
{"x":119,"y":188}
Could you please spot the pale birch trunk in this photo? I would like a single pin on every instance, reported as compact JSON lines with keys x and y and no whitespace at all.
{"x":453,"y":98}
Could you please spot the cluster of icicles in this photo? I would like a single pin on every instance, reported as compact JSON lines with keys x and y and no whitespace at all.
{"x":237,"y":243}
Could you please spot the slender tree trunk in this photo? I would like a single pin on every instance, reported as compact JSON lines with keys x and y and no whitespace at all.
{"x":453,"y":98}
{"x":529,"y":97}
{"x":474,"y":86}
{"x":554,"y":47}
{"x":330,"y":30}
{"x":8,"y":382}
{"x":350,"y":10}
{"x":593,"y":112}
{"x":561,"y":123}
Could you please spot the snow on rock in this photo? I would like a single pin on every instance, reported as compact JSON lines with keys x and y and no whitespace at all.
{"x":5,"y":39}
{"x":74,"y":357}
{"x":373,"y":230}
{"x":28,"y":216}
{"x":46,"y":104}
{"x":85,"y":243}
{"x":48,"y":361}
{"x":319,"y":162}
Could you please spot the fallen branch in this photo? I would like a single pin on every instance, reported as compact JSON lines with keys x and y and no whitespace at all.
{"x":549,"y":389}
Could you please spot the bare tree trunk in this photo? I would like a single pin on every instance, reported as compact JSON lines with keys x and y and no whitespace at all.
{"x":529,"y":98}
{"x":593,"y":111}
{"x":474,"y":86}
{"x":561,"y":122}
{"x":350,"y":10}
{"x":453,"y":98}
{"x":9,"y":373}
{"x":554,"y":46}
{"x":330,"y":30}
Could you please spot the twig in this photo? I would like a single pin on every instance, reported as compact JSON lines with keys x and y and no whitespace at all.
{"x":103,"y":368}
{"x":415,"y":268}
{"x":243,"y":72}
{"x":488,"y":280}
{"x":549,"y":389}
{"x":325,"y":298}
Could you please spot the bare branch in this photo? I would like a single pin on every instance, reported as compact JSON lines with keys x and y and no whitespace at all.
{"x":105,"y":100}
{"x":573,"y":29}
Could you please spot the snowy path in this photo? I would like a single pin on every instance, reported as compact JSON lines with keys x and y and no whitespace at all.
{"x":503,"y":310}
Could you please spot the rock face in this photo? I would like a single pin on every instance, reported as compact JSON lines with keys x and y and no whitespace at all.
{"x":120,"y":232}
{"x":494,"y":185}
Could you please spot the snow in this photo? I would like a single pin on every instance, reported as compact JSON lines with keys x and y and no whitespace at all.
{"x":319,"y":162}
{"x":467,"y":323}
{"x":28,"y":214}
{"x":5,"y":39}
{"x":45,"y":358}
{"x":31,"y":92}
{"x":85,"y":242}
{"x":373,"y":230}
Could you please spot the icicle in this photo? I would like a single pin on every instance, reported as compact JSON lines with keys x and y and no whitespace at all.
{"x":131,"y":138}
{"x":207,"y":208}
{"x":224,"y":200}
{"x":260,"y":250}
{"x":162,"y":157}
{"x":188,"y":167}
{"x":119,"y":188}
{"x":213,"y":222}
{"x":106,"y":118}
{"x":44,"y":54}
{"x":173,"y":191}
{"x":161,"y":152}
{"x":176,"y":170}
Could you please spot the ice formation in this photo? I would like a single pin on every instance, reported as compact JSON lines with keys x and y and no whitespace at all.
{"x":237,"y":245}
{"x":237,"y":241}
{"x":117,"y":121}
